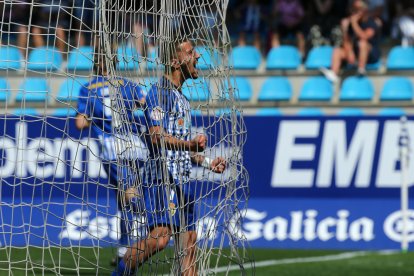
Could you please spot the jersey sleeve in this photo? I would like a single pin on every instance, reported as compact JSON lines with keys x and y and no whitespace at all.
{"x":154,"y":113}
{"x":83,"y":99}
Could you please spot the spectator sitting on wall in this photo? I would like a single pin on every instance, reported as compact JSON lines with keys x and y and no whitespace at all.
{"x":250,"y":16}
{"x":360,"y":41}
{"x":290,"y":20}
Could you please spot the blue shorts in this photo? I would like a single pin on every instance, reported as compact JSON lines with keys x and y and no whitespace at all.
{"x":175,"y":210}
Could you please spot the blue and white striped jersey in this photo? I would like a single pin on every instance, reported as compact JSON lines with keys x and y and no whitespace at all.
{"x":169,"y":108}
{"x":94,"y":101}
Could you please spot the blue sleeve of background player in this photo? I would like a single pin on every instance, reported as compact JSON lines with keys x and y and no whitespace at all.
{"x":83,"y":100}
{"x":154,"y":114}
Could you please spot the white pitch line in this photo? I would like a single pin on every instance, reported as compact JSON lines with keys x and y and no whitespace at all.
{"x":326,"y":258}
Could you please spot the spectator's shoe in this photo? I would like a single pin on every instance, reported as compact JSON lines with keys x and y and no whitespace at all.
{"x":362,"y":72}
{"x":315,"y":35}
{"x":330,"y":75}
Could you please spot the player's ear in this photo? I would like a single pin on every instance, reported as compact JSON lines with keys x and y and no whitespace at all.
{"x":175,"y":63}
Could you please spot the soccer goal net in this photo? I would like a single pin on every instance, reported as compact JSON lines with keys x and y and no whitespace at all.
{"x":86,"y":87}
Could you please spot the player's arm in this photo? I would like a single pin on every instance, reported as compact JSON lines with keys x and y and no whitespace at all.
{"x":158,"y":136}
{"x":217,"y":165}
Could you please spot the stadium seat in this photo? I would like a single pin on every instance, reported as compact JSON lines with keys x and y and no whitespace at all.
{"x":316,"y":89}
{"x":373,"y":66}
{"x":401,"y":58}
{"x":33,"y":90}
{"x":196,"y":90}
{"x":283,"y":57}
{"x":244,"y":89}
{"x":69,"y":89}
{"x":310,"y":111}
{"x":319,"y":57}
{"x":356,"y":89}
{"x":351,"y":111}
{"x":64,"y":112}
{"x":275,"y":89}
{"x":152,"y":60}
{"x":44,"y":59}
{"x":245,"y":58}
{"x":208,"y":57}
{"x":268,"y":112}
{"x":397,"y":88}
{"x":81,"y":58}
{"x":25,"y":112}
{"x":392,"y":111}
{"x":128,"y":58}
{"x":4,"y":90}
{"x":10,"y":58}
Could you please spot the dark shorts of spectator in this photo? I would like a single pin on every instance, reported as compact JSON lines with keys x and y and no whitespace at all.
{"x":285,"y":31}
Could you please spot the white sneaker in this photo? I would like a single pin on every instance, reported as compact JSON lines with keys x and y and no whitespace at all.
{"x":329,"y":74}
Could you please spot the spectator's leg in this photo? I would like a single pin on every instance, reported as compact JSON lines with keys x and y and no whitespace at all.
{"x":22,"y":39}
{"x":242,"y":38}
{"x":301,"y":43}
{"x":275,"y":40}
{"x":256,"y":42}
{"x":337,"y":57}
{"x":364,"y":49}
{"x":61,"y":39}
{"x":37,"y":37}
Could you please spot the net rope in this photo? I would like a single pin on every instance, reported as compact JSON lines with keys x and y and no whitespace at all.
{"x":59,"y":211}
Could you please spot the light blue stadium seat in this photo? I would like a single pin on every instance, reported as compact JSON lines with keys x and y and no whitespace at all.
{"x":373,"y":66}
{"x":152,"y":59}
{"x":44,"y":59}
{"x":244,"y":89}
{"x":319,"y":57}
{"x":275,"y":89}
{"x":397,"y":88}
{"x":310,"y":111}
{"x":128,"y":58}
{"x":356,"y":88}
{"x":10,"y":58}
{"x":283,"y":57}
{"x":351,"y":111}
{"x":33,"y":90}
{"x":64,"y":112}
{"x":269,"y":111}
{"x":196,"y":90}
{"x":4,"y":90}
{"x":392,"y":111}
{"x":401,"y":58}
{"x":208,"y":57}
{"x":81,"y":58}
{"x":245,"y":58}
{"x":25,"y":112}
{"x":316,"y":89}
{"x":69,"y":89}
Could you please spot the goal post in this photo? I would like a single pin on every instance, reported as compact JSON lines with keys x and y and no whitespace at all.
{"x":73,"y":134}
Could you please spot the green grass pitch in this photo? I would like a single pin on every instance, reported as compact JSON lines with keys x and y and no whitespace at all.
{"x":67,"y":261}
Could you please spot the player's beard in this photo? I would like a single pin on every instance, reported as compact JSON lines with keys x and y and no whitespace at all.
{"x":186,"y":71}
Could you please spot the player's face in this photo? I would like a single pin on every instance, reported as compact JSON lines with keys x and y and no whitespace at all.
{"x":188,"y":58}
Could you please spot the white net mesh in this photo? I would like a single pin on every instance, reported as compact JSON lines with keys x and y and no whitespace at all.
{"x":101,"y":148}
